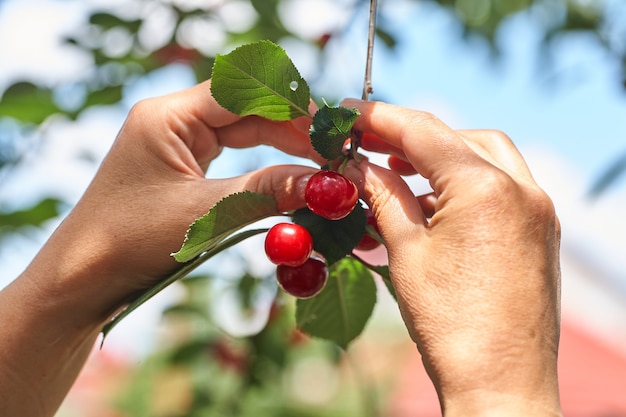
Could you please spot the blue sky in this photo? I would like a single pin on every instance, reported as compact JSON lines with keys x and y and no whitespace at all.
{"x":582,"y":117}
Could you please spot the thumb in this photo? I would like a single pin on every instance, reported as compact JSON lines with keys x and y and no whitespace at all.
{"x":397,"y":210}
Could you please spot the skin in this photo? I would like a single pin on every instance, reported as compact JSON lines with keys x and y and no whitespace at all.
{"x":117,"y":241}
{"x":475,"y":265}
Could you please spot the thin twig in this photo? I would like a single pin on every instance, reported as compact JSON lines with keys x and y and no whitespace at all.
{"x":355,"y":142}
{"x":367,"y":84}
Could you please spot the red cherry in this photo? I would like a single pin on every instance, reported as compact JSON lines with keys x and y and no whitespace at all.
{"x":330,"y":195}
{"x":367,"y":242}
{"x":288,"y":244}
{"x":304,"y":281}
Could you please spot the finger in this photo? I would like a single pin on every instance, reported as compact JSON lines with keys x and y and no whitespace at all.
{"x":233,"y":131}
{"x":286,"y":183}
{"x":371,"y":142}
{"x":429,"y":145}
{"x":390,"y":199}
{"x":206,"y":127}
{"x":427,"y":202}
{"x":285,"y":136}
{"x":499,"y":149}
{"x":400,"y":166}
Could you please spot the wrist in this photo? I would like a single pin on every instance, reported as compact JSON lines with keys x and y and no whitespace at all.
{"x":524,"y":386}
{"x":501,"y":404}
{"x":72,"y":278}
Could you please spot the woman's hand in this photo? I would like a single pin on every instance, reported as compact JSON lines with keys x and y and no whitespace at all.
{"x":118,"y":239}
{"x":475,"y":265}
{"x":152,"y":185}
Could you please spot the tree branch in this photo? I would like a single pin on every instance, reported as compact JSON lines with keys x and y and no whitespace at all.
{"x":367,"y":84}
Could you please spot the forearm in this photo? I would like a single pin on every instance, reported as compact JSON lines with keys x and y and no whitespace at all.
{"x":50,"y":323}
{"x":44,"y":346}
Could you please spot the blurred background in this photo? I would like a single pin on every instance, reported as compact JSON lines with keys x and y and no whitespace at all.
{"x":549,"y":73}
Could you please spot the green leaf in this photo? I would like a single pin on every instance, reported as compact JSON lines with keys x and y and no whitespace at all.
{"x":260,"y":79}
{"x":334,"y":239}
{"x":227,"y":216}
{"x":34,"y":215}
{"x":110,"y":21}
{"x":330,"y":128}
{"x":108,"y":95}
{"x":382,"y":271}
{"x":388,"y":39}
{"x":26,"y":102}
{"x":339,"y":313}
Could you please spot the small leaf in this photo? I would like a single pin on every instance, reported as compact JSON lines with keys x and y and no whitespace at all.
{"x":382,"y":271}
{"x":28,"y":103}
{"x":388,"y":39}
{"x":105,"y":96}
{"x":260,"y":79}
{"x":227,"y":216}
{"x":334,"y":239}
{"x":110,"y":21}
{"x":330,"y":128}
{"x":34,"y":215}
{"x":339,"y":313}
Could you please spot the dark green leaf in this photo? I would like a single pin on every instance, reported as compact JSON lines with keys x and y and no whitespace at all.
{"x":382,"y":271}
{"x":227,"y":216}
{"x":189,"y":351}
{"x":109,"y":21}
{"x":260,"y":79}
{"x":388,"y":39}
{"x":330,"y":128}
{"x":105,"y":96}
{"x":339,"y":313}
{"x":28,"y":103}
{"x":246,"y":289}
{"x":185,"y":310}
{"x":334,"y":239}
{"x":35,"y":215}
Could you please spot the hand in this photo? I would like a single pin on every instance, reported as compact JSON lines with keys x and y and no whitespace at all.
{"x":152,"y":185}
{"x":117,"y":241}
{"x":475,"y":265}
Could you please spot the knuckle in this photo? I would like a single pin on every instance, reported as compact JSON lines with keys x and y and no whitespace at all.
{"x":420,"y":121}
{"x":498,"y":137}
{"x":542,"y":207}
{"x":492,"y":184}
{"x":498,"y":187}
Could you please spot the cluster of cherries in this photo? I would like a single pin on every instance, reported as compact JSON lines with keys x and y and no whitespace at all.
{"x":300,"y":272}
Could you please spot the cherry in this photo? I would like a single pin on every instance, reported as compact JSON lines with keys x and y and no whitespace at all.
{"x":367,"y":242}
{"x":288,"y":244}
{"x":330,"y":195}
{"x":304,"y":281}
